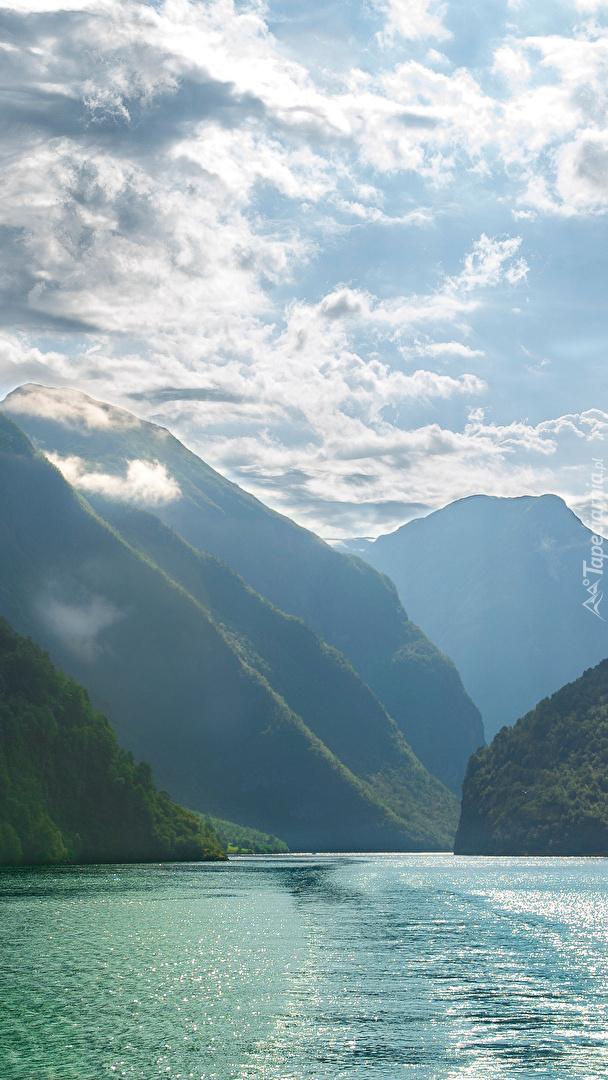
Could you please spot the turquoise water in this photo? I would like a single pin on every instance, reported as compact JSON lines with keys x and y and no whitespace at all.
{"x":427,"y":967}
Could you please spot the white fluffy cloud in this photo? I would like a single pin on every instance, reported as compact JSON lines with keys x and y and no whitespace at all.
{"x":490,"y":262}
{"x":164,"y":121}
{"x":204,"y":222}
{"x":145,"y":482}
{"x":130,"y":185}
{"x":414,"y":19}
{"x":312,"y":415}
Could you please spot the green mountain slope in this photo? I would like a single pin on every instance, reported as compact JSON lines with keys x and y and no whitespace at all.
{"x":241,"y":840}
{"x":220,"y":739}
{"x":315,"y":680}
{"x":68,"y":793}
{"x":541,"y":787}
{"x":349,"y":604}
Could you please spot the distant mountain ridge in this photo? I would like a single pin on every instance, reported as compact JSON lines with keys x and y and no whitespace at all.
{"x":498,"y":584}
{"x":109,"y":451}
{"x":541,"y":787}
{"x":181,"y":690}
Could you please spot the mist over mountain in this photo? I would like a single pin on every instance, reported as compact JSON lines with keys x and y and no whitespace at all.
{"x":108,"y":452}
{"x":541,"y":787}
{"x":181,"y":687}
{"x":497,"y":584}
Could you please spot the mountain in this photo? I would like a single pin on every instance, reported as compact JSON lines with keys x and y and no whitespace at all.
{"x":314,"y":679}
{"x":106,"y":450}
{"x":179,"y":687}
{"x":541,"y":787}
{"x":68,"y":793}
{"x":497,"y":584}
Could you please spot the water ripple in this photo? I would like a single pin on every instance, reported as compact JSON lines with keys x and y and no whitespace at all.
{"x":307,"y":968}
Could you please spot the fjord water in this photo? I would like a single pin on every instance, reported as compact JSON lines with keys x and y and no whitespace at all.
{"x":306,"y":967}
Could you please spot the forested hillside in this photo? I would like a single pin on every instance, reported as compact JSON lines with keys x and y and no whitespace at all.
{"x":68,"y":792}
{"x":541,"y":787}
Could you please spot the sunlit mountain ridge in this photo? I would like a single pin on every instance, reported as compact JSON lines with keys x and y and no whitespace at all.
{"x":180,"y":685}
{"x":108,"y":451}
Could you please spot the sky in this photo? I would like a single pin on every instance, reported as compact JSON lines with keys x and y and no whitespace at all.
{"x":352,"y":253}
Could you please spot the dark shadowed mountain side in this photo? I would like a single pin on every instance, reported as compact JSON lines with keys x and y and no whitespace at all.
{"x":68,"y":793}
{"x":314,"y":679}
{"x":497,"y":584}
{"x":175,"y":686}
{"x":541,"y":787}
{"x":348,"y":604}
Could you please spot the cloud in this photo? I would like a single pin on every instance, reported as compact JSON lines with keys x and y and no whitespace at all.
{"x":342,"y":303}
{"x":317,"y":389}
{"x":590,"y":5}
{"x":187,"y":393}
{"x":554,"y":131}
{"x":78,"y":626}
{"x":437,"y":349}
{"x":424,"y":467}
{"x":583,"y":172}
{"x":414,"y":19}
{"x":146,"y":483}
{"x":142,"y":142}
{"x":372,"y":214}
{"x":428,"y":384}
{"x":490,"y":262}
{"x":203,"y":221}
{"x":20,"y":361}
{"x":30,"y":7}
{"x":128,"y":167}
{"x":513,"y":64}
{"x":68,"y":407}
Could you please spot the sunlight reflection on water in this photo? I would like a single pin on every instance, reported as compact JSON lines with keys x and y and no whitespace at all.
{"x":306,"y":967}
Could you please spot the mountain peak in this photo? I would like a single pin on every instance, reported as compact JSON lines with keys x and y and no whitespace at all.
{"x":66,"y":406}
{"x":497,"y":583}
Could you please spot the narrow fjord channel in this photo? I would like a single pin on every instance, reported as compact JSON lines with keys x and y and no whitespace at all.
{"x":307,"y":967}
